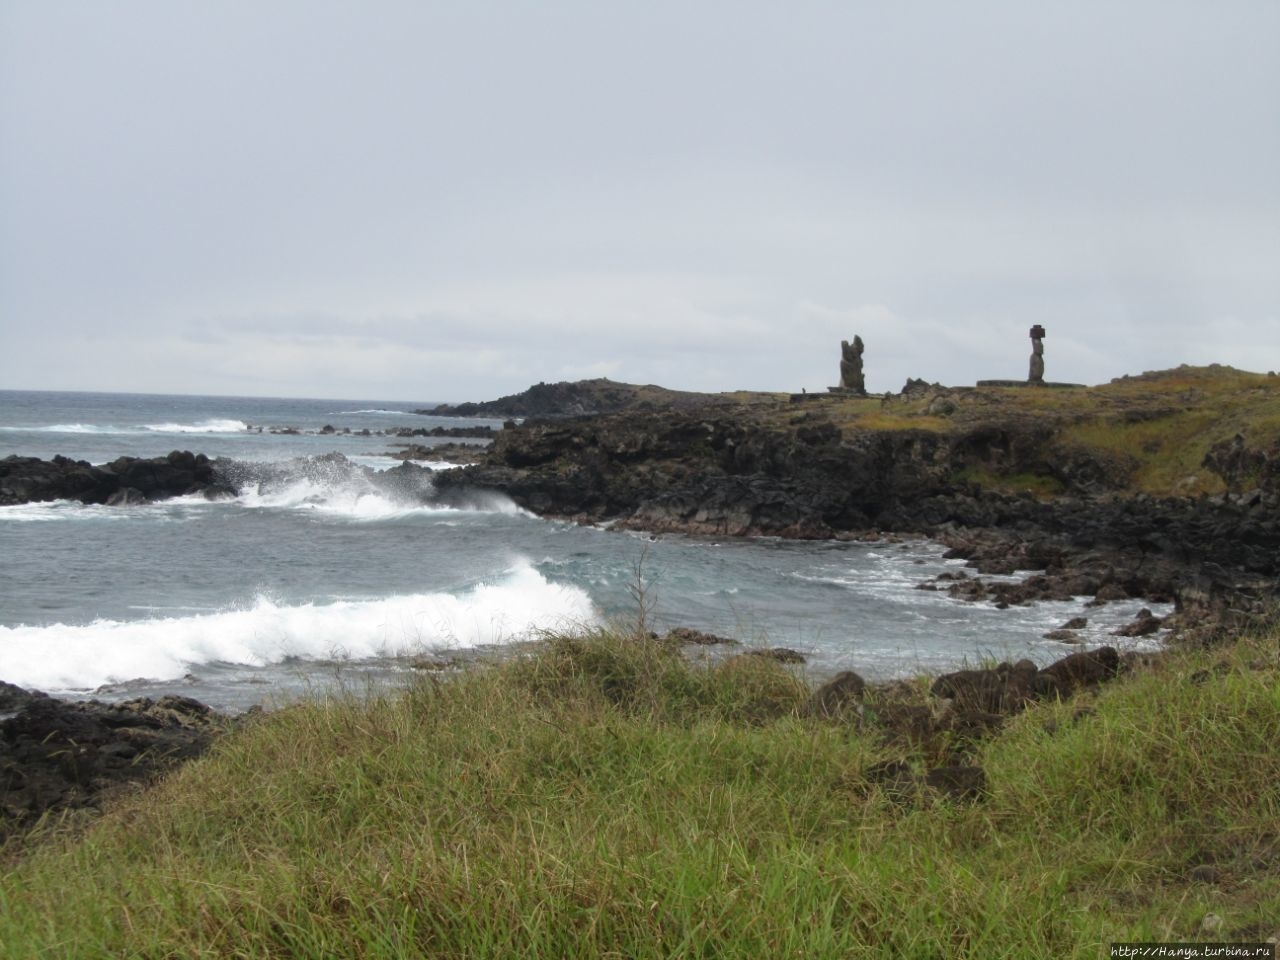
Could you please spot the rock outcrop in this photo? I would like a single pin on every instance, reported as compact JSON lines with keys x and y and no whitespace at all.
{"x":766,"y":467}
{"x":934,"y":737}
{"x":124,"y":481}
{"x":57,"y":755}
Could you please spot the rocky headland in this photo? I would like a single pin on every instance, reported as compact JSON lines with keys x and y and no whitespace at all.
{"x":1164,"y":486}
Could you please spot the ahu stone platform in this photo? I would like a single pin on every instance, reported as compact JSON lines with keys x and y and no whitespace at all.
{"x":1029,"y":383}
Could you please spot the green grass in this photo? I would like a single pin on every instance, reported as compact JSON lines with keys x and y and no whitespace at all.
{"x":607,"y":798}
{"x":1038,"y":485}
{"x":1154,"y":430}
{"x":1149,"y":433}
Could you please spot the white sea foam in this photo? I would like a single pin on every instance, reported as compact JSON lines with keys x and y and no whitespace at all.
{"x":354,"y":496}
{"x":80,"y":428}
{"x":212,"y":425}
{"x":59,"y":510}
{"x":328,"y":490}
{"x":396,"y":413}
{"x":381,"y":463}
{"x":354,"y":500}
{"x":511,"y":608}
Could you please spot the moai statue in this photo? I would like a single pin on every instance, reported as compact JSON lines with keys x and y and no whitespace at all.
{"x":1036,"y":375}
{"x":851,"y":366}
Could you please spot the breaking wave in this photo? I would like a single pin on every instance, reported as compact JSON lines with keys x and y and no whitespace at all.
{"x":212,"y":425}
{"x":204,"y":426}
{"x":78,"y":428}
{"x":514,"y":607}
{"x":337,"y":487}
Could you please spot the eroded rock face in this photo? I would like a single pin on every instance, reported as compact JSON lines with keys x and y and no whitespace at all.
{"x":57,"y":755}
{"x":1237,"y":463}
{"x":572,"y":399}
{"x":708,"y":471}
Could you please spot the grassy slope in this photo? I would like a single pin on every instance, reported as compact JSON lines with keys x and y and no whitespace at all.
{"x":1156,"y":427}
{"x":608,"y":799}
{"x":1152,"y":431}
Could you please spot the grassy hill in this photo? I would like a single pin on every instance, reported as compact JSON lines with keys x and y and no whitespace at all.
{"x":607,"y":798}
{"x":1154,"y":430}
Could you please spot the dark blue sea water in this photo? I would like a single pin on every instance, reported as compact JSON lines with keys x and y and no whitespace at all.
{"x":318,"y":575}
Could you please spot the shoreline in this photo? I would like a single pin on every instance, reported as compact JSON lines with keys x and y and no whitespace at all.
{"x":759,"y":468}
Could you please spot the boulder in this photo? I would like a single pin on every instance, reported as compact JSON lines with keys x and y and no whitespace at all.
{"x":1004,"y":689}
{"x":1086,"y":669}
{"x":15,"y":698}
{"x":695,"y":637}
{"x":1063,"y":636}
{"x":838,"y":698}
{"x":1144,"y":624}
{"x":895,"y":778}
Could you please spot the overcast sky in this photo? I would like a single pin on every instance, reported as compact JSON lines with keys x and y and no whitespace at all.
{"x":450,"y":201}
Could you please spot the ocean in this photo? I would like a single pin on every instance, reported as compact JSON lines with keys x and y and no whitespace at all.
{"x":316,"y":576}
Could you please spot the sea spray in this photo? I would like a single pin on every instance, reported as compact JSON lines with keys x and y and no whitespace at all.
{"x":336,"y":486}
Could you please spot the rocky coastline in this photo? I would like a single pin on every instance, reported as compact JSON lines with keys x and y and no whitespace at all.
{"x":766,"y":467}
{"x":758,"y":465}
{"x":833,"y":468}
{"x":936,"y":463}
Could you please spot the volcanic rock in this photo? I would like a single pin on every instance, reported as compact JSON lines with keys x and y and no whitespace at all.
{"x":57,"y":755}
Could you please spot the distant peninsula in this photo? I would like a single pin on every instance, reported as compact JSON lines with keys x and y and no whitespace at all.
{"x":574,"y":399}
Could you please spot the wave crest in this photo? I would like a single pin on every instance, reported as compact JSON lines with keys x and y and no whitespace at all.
{"x":335,"y":486}
{"x":514,"y":607}
{"x":212,"y":425}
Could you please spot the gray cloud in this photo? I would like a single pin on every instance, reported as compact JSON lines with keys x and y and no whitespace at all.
{"x":444,"y":201}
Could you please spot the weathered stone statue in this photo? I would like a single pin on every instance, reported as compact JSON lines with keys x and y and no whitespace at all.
{"x":851,"y":366}
{"x":1036,"y":374}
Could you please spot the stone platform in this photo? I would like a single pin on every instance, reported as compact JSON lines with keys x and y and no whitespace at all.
{"x":1028,"y":383}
